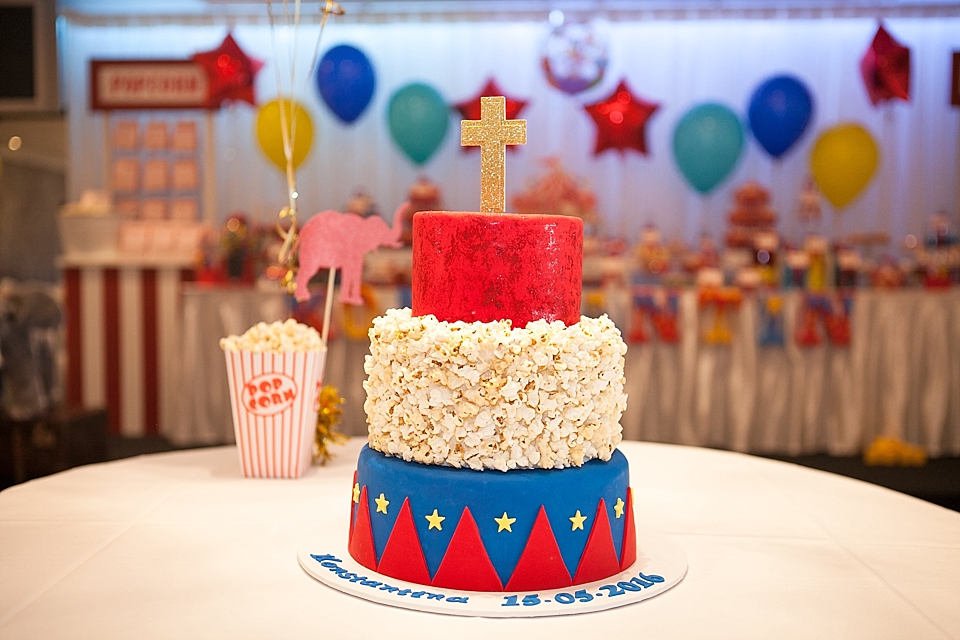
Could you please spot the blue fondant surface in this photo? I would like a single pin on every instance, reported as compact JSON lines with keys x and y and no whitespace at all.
{"x":489,"y":494}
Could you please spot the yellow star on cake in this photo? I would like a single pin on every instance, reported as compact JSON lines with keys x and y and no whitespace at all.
{"x":383,"y":502}
{"x":435,"y":519}
{"x":504,"y":522}
{"x":356,"y":492}
{"x":577,"y":521}
{"x":618,"y":507}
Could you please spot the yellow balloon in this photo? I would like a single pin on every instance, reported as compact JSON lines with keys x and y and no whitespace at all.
{"x":270,"y":134}
{"x":843,"y":161}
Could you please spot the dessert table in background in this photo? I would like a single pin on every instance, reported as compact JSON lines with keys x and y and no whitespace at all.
{"x":178,"y":545}
{"x":212,"y":312}
{"x":900,"y":376}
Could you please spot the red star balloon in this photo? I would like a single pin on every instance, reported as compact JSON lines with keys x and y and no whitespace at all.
{"x":621,"y":121}
{"x":230,"y":73}
{"x":470,"y":109}
{"x":886,"y":69}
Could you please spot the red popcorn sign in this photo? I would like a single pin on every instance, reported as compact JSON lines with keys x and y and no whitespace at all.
{"x":269,"y":393}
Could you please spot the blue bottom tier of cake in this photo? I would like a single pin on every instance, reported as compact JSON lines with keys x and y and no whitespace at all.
{"x":491,"y":530}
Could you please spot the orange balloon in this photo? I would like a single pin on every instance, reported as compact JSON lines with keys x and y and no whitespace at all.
{"x":270,"y":134}
{"x":843,"y":161}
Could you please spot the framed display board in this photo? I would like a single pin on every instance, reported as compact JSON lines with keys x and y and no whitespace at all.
{"x":155,"y":168}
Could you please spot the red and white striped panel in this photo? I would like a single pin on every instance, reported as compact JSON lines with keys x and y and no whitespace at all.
{"x":123,"y":336}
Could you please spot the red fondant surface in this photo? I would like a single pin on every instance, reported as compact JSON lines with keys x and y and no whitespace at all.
{"x":599,"y":559}
{"x":403,"y":557}
{"x":496,"y":266}
{"x":465,"y":564}
{"x":628,"y":552}
{"x":361,"y":542}
{"x":541,"y":565}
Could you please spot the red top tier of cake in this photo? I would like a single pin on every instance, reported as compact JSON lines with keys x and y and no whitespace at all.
{"x":497,"y":266}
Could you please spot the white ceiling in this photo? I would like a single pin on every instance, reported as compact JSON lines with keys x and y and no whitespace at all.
{"x":401,"y":10}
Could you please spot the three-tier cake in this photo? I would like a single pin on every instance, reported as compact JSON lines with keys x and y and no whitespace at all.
{"x":493,"y":411}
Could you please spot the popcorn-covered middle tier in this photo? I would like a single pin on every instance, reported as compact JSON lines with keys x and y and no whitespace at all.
{"x":495,"y":266}
{"x":486,"y":395}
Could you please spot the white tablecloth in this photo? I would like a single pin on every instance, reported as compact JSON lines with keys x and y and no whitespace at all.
{"x":180,"y":546}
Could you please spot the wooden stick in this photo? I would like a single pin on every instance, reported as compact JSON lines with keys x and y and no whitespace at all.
{"x":328,"y":304}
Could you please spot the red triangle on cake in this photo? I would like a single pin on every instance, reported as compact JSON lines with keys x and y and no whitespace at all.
{"x":361,"y":542}
{"x":402,"y":558}
{"x":350,"y":536}
{"x":465,"y":563}
{"x":628,"y":552}
{"x":599,"y":559}
{"x":541,"y":564}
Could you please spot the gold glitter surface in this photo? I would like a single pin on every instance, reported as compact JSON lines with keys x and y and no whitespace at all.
{"x":492,"y":133}
{"x":328,"y":415}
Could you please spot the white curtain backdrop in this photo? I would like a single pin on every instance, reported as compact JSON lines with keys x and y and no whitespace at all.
{"x":898,"y":378}
{"x":678,"y":63}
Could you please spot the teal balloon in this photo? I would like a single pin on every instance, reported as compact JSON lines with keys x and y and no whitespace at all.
{"x":707,"y":143}
{"x":418,"y":119}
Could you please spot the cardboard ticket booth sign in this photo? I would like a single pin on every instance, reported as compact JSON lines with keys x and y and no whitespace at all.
{"x":147,"y":84}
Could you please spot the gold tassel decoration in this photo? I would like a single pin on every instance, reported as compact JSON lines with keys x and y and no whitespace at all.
{"x":328,"y":415}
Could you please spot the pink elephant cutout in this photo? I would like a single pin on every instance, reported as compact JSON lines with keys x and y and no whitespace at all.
{"x":334,"y":240}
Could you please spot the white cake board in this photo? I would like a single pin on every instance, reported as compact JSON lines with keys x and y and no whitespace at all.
{"x":657,"y":557}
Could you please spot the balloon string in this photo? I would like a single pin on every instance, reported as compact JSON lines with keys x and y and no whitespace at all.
{"x":288,"y":130}
{"x":287,"y":136}
{"x":291,"y":138}
{"x":330,"y":8}
{"x":293,"y":72}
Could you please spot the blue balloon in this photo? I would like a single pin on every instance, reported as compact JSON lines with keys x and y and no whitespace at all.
{"x":707,"y":144}
{"x":346,"y":81}
{"x":779,"y":113}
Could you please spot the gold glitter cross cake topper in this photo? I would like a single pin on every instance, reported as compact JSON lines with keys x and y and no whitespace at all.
{"x":492,"y":133}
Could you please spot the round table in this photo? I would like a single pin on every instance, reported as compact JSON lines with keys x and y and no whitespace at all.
{"x":179,"y":545}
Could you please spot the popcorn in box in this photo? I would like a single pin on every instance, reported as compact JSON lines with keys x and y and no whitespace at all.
{"x":274,"y":371}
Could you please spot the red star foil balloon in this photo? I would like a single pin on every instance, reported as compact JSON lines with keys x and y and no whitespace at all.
{"x":470,"y":109}
{"x":230,"y":73}
{"x":886,"y":69}
{"x":621,"y":121}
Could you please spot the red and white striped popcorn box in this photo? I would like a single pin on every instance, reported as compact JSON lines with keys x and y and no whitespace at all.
{"x":274,"y":401}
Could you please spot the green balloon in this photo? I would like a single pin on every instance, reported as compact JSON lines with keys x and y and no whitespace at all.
{"x":418,"y":120}
{"x":707,"y":144}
